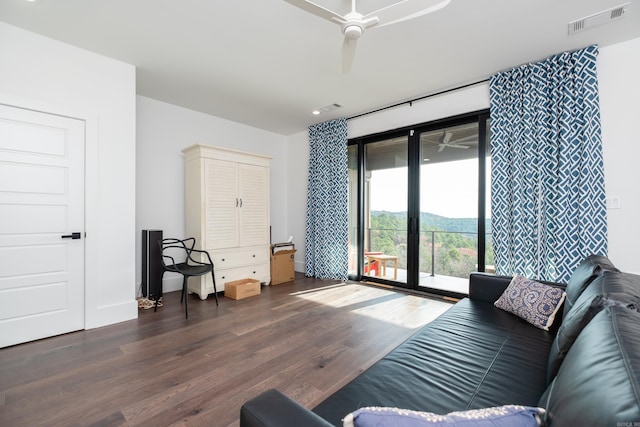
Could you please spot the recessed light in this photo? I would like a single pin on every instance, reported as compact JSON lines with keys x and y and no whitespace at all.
{"x":315,"y":112}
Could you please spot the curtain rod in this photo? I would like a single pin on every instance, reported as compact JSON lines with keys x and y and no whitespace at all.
{"x":410,"y":102}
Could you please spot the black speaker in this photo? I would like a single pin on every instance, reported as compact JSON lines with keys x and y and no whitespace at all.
{"x":151,"y":264}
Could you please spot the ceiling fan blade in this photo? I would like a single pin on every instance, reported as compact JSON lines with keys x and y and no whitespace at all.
{"x":450,"y":145}
{"x":348,"y":53}
{"x":406,"y":10}
{"x":446,"y":136}
{"x":317,"y":10}
{"x":471,"y":139}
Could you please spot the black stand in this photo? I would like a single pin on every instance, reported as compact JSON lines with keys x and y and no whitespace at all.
{"x":151,"y":264}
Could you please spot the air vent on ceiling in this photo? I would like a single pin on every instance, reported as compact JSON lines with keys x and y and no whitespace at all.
{"x":331,"y":107}
{"x":599,"y":18}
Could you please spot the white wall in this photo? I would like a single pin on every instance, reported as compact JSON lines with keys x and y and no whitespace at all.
{"x":620,"y":111}
{"x":619,"y":94}
{"x":43,"y":74}
{"x":298,"y":154}
{"x":163,"y":131}
{"x":461,"y":101}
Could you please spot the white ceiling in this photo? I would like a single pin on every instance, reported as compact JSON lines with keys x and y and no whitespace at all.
{"x":268,"y":64}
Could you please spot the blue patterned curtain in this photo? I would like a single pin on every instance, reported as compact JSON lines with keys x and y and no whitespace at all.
{"x":327,"y":201}
{"x":547,"y":183}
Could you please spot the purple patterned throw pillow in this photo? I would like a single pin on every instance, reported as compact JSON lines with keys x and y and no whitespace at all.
{"x":534,"y":302}
{"x":499,"y":416}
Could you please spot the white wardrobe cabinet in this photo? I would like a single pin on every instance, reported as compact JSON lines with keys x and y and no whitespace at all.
{"x":227,"y":211}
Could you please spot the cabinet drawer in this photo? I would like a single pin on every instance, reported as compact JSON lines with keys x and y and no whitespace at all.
{"x":259,"y":272}
{"x":237,"y":257}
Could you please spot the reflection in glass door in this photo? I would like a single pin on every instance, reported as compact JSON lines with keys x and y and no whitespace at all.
{"x":448,"y":248}
{"x":385,"y":209}
{"x":489,"y":262}
{"x":353,"y":237}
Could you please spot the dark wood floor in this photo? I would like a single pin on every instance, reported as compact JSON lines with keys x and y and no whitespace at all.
{"x":306,"y":338}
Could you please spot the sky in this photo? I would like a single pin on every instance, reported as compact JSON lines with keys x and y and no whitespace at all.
{"x":448,"y":189}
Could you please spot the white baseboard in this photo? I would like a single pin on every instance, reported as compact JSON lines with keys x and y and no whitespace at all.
{"x":109,"y":314}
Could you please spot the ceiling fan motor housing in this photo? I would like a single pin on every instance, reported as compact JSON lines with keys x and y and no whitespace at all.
{"x":352,"y":31}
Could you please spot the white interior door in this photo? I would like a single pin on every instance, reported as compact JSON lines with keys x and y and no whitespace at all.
{"x":41,"y":225}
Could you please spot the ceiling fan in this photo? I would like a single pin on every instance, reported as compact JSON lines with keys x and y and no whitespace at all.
{"x":446,"y":141}
{"x":354,"y":24}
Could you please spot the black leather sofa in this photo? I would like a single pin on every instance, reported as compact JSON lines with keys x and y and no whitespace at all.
{"x":584,"y":371}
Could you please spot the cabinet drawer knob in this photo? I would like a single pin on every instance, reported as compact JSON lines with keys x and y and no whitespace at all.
{"x":222,"y":259}
{"x":254,"y":255}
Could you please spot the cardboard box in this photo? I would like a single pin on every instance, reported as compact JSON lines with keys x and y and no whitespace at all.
{"x":244,"y":288}
{"x":282,"y":270}
{"x":287,"y":246}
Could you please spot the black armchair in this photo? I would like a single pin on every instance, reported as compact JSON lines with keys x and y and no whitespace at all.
{"x":178,"y":257}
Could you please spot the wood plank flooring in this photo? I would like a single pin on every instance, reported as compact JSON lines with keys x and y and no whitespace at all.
{"x":306,"y":338}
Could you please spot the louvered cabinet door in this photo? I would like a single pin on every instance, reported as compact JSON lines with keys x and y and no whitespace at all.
{"x":254,"y":205}
{"x":222,"y":204}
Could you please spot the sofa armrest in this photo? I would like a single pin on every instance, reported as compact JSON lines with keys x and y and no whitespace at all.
{"x":488,"y":287}
{"x":273,"y":409}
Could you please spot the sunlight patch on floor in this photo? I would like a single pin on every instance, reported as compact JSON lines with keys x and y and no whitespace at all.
{"x":343,"y":294}
{"x":408,"y":311}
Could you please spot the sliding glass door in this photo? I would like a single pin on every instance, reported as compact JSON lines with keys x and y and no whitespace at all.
{"x":420,"y":208}
{"x":448,"y":248}
{"x":385,"y":209}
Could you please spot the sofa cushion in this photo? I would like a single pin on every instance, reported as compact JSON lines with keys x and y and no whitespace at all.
{"x":501,"y":416}
{"x":583,"y":275}
{"x":598,"y":384}
{"x":623,"y":288}
{"x":584,"y":309}
{"x":532,"y":301}
{"x":473,"y":356}
{"x":608,"y":288}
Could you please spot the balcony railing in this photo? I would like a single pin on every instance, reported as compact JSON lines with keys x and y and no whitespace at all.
{"x":448,"y":253}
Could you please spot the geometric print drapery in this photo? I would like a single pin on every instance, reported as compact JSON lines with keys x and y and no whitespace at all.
{"x":327,"y":201}
{"x":547,"y":181}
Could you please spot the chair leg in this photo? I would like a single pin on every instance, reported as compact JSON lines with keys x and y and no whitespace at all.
{"x":186,"y":297}
{"x":215,"y":291}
